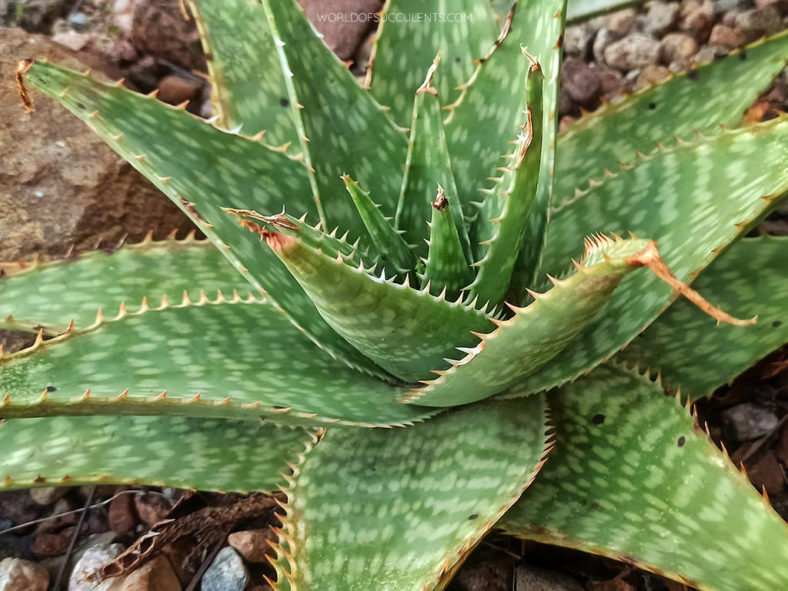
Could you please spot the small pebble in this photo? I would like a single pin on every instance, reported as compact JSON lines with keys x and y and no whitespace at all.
{"x":650,"y":75}
{"x":22,"y":575}
{"x":622,"y":21}
{"x":78,"y":21}
{"x":580,"y":81}
{"x":662,"y":18}
{"x":91,"y":561}
{"x":253,"y":544}
{"x":727,"y":36}
{"x":226,"y":573}
{"x":709,"y":54}
{"x":176,"y":89}
{"x":632,"y":52}
{"x":749,"y":421}
{"x":155,"y":575}
{"x":698,"y":21}
{"x":603,"y":39}
{"x":677,"y":47}
{"x":48,"y":494}
{"x":578,"y":40}
{"x":760,"y":21}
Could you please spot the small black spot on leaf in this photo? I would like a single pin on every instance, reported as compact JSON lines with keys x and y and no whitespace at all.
{"x":682,"y":441}
{"x":652,"y":106}
{"x":777,"y":324}
{"x":81,"y":106}
{"x":51,"y":388}
{"x":598,"y":419}
{"x":692,"y":74}
{"x":456,"y":59}
{"x":284,"y":102}
{"x":473,"y":516}
{"x":743,"y":55}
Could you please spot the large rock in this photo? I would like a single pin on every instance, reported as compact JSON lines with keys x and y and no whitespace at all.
{"x":61,"y":185}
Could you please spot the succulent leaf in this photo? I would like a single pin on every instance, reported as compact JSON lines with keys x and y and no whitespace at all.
{"x":412,"y":33}
{"x":508,"y":206}
{"x":402,"y":508}
{"x":617,"y":131}
{"x":485,"y":116}
{"x":392,"y":251}
{"x":236,"y":358}
{"x":633,"y":477}
{"x":222,"y":455}
{"x":748,"y":279}
{"x":407,"y":332}
{"x":50,"y":295}
{"x":338,"y":120}
{"x":446,"y":266}
{"x":535,"y":334}
{"x":213,"y":168}
{"x":673,"y":197}
{"x":427,"y":168}
{"x":579,"y":10}
{"x":247,"y":85}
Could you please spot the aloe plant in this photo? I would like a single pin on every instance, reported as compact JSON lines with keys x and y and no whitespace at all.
{"x":418,"y":301}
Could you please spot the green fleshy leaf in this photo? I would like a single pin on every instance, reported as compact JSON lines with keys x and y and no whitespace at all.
{"x":222,"y":455}
{"x":508,"y":206}
{"x":428,"y":169}
{"x":243,"y":358}
{"x":391,"y":249}
{"x":485,"y":116}
{"x":617,"y":131}
{"x":671,"y":197}
{"x":633,"y":477}
{"x":578,"y":10}
{"x":411,"y":34}
{"x":312,"y":236}
{"x":50,"y":295}
{"x":402,"y":508}
{"x":201,"y":168}
{"x":407,"y":332}
{"x":446,"y":266}
{"x":247,"y":85}
{"x":347,"y":131}
{"x":689,"y":351}
{"x":536,"y":334}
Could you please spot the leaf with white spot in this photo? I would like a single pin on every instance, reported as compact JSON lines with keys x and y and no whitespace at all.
{"x":484,"y":118}
{"x":50,"y":295}
{"x":201,"y":168}
{"x":207,"y":454}
{"x":446,"y":266}
{"x":229,"y":359}
{"x":411,"y":34}
{"x":673,"y":198}
{"x":634,"y":478}
{"x":247,"y":85}
{"x":510,"y":204}
{"x":406,"y":332}
{"x":427,"y":170}
{"x":392,"y":252}
{"x":536,"y":334}
{"x":399,"y":510}
{"x":616,"y":131}
{"x":343,"y":130}
{"x":751,"y":278}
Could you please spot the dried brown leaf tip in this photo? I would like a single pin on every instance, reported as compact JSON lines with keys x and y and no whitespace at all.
{"x":21,"y":69}
{"x":441,"y":201}
{"x":650,"y":257}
